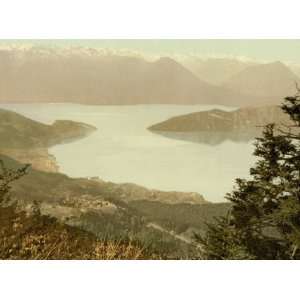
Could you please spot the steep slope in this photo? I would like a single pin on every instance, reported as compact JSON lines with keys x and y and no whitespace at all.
{"x":271,"y":81}
{"x":38,"y":76}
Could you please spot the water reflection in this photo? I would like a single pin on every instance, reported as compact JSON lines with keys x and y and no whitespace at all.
{"x":212,"y":138}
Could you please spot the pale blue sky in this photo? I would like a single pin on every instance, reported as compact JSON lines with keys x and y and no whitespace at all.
{"x":283,"y":50}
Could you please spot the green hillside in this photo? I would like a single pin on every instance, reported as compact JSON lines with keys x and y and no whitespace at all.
{"x":17,"y":131}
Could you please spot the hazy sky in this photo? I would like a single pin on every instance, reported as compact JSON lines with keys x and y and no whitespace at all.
{"x":284,"y":50}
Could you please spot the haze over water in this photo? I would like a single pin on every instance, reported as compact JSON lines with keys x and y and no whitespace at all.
{"x":123,"y":150}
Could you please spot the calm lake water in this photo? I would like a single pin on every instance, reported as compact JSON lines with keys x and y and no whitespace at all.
{"x":123,"y":150}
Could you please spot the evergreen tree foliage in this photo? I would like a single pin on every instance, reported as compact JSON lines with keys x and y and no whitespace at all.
{"x":264,"y":220}
{"x":7,"y":176}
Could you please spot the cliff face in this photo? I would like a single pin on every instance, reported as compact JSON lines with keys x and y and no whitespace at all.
{"x":38,"y":158}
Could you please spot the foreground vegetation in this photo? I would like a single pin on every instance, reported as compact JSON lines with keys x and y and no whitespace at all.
{"x":42,"y":237}
{"x":26,"y":235}
{"x":264,"y":220}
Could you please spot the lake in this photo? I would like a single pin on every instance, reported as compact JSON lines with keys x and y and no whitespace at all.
{"x":123,"y":150}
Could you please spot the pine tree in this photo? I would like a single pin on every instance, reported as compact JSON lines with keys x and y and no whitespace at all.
{"x":7,"y":176}
{"x":264,"y":220}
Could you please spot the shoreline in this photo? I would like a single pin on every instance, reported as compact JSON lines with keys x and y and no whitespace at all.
{"x":39,"y":158}
{"x":229,"y":106}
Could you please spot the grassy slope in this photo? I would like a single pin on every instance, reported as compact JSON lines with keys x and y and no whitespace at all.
{"x":41,"y":237}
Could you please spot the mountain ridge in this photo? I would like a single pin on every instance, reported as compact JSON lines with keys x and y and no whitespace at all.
{"x":113,"y":80}
{"x":271,"y":80}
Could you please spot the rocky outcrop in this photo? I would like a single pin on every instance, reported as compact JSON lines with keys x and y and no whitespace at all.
{"x":38,"y":158}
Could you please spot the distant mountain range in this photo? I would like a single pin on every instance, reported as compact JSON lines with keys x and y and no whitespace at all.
{"x":108,"y":79}
{"x":90,"y":77}
{"x":215,"y":70}
{"x":270,"y":81}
